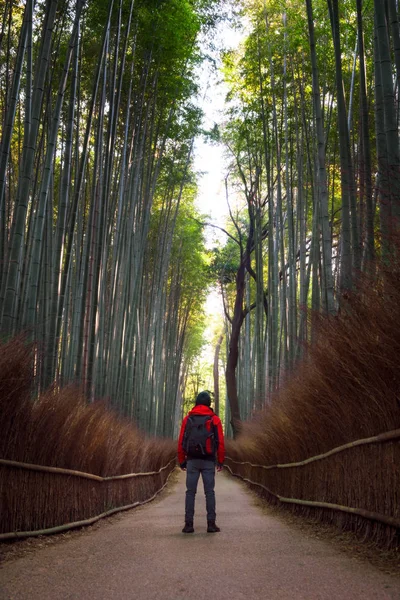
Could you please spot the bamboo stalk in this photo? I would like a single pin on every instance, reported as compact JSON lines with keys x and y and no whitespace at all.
{"x":367,"y":514}
{"x":84,"y":523}
{"x":381,"y":438}
{"x":71,"y":472}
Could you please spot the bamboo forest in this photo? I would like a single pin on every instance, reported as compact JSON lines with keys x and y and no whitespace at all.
{"x":123,"y":294}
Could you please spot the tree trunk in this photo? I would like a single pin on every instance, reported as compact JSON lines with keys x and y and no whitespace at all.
{"x":365,"y":158}
{"x":216,"y":373}
{"x":322,"y":180}
{"x":390,"y":121}
{"x":350,"y":253}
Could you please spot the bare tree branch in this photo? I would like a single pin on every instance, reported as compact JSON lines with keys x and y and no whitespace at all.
{"x":205,"y":224}
{"x":224,"y":304}
{"x":231,"y":216}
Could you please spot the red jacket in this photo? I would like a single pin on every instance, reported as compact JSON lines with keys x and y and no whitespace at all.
{"x":203,"y":410}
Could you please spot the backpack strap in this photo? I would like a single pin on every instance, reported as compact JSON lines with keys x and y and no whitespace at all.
{"x":216,"y":437}
{"x":188,"y":427}
{"x":213,"y":433}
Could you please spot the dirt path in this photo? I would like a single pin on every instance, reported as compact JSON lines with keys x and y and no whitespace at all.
{"x":144,"y":556}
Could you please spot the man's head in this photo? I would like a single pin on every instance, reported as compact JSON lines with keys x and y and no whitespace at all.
{"x":203,"y":398}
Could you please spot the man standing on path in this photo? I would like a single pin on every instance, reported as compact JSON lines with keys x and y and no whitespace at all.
{"x":200,"y":445}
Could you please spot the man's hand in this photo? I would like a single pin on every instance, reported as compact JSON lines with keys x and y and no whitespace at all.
{"x":183,"y":466}
{"x":219,"y":467}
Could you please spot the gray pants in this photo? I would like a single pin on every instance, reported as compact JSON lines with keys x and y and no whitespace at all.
{"x":194,"y":467}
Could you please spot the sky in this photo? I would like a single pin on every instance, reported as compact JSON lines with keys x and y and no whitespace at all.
{"x":209,"y":158}
{"x":211,"y":164}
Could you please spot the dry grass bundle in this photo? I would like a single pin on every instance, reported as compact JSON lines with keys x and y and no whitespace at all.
{"x":347,"y":388}
{"x":61,"y":430}
{"x":16,"y":368}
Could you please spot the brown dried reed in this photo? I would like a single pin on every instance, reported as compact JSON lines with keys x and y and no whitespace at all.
{"x":346,"y":388}
{"x":60,"y":429}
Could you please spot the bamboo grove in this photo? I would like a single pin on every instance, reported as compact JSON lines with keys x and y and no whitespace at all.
{"x":101,"y":262}
{"x":312,"y":134}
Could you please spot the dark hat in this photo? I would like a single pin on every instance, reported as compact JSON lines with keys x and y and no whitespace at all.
{"x":203,"y":398}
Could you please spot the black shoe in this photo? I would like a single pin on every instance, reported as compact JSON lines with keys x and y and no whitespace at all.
{"x":188,"y":527}
{"x":212,"y":527}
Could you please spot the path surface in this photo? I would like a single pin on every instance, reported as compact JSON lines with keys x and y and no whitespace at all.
{"x":143,"y":556}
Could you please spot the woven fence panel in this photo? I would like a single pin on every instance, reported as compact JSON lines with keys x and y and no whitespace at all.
{"x":364,"y":477}
{"x":32,"y":500}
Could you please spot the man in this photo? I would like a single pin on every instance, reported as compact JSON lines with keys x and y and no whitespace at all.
{"x":200,"y":445}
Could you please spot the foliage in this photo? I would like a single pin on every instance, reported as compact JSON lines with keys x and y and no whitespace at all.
{"x":294,"y":168}
{"x":102,"y":258}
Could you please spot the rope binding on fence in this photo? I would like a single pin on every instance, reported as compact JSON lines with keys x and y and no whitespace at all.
{"x":391,"y":521}
{"x":381,"y":438}
{"x":86,"y":522}
{"x":71,"y":472}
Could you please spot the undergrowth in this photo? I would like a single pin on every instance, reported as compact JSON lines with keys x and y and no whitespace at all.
{"x":346,"y":388}
{"x":60,"y":429}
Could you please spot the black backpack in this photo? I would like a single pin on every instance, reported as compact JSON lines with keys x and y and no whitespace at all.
{"x":197,"y":434}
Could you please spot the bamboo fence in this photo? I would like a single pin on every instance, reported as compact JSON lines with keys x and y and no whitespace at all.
{"x":56,"y":500}
{"x":350,"y":485}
